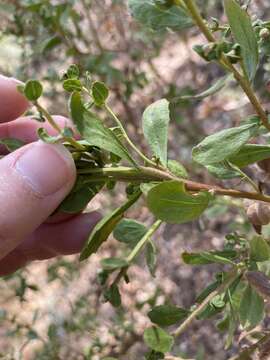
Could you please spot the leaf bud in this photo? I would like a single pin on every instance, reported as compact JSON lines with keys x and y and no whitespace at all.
{"x":208,"y":51}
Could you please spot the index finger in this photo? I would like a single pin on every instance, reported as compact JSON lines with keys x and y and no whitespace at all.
{"x":12,"y":102}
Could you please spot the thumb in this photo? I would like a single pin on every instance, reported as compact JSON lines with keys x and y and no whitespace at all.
{"x":33,"y":182}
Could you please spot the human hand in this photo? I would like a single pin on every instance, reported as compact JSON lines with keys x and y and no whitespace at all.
{"x":33,"y":182}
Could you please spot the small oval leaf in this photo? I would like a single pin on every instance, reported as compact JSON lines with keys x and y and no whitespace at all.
{"x":100,"y":93}
{"x":170,"y":202}
{"x":129,"y":232}
{"x":158,"y":339}
{"x":158,"y":17}
{"x":167,"y":315}
{"x":33,"y":90}
{"x":244,"y":34}
{"x":251,"y":309}
{"x":155,"y":123}
{"x":220,"y":146}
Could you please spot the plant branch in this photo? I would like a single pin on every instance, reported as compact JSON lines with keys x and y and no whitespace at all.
{"x":231,"y":277}
{"x":48,"y":116}
{"x":137,"y":249}
{"x":144,"y":174}
{"x":199,"y":21}
{"x":140,"y":245}
{"x":225,"y":62}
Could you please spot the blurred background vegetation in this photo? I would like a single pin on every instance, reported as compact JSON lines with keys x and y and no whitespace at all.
{"x":54,"y":309}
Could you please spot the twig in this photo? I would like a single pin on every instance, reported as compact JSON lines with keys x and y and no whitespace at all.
{"x":140,"y":245}
{"x":148,"y":174}
{"x":231,"y":277}
{"x":226,"y":64}
{"x":137,"y":249}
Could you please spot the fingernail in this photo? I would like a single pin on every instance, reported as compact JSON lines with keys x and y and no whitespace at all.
{"x":46,"y":168}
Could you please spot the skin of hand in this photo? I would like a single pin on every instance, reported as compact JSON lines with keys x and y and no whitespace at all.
{"x":33,"y":182}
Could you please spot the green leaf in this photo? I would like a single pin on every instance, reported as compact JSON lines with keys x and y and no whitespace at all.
{"x":71,"y":85}
{"x":12,"y":144}
{"x":249,"y":154}
{"x":146,"y":187}
{"x":220,"y":146}
{"x":151,"y":257}
{"x":154,"y":355}
{"x":113,"y":263}
{"x":208,"y":290}
{"x":77,"y":201}
{"x":214,"y":258}
{"x":244,"y":35}
{"x":158,"y":339}
{"x":113,"y":295}
{"x":73,"y":72}
{"x":159,"y":18}
{"x":233,"y":325}
{"x":155,"y":123}
{"x":259,"y":249}
{"x":103,"y":229}
{"x":251,"y":309}
{"x":93,"y":131}
{"x":129,"y":232}
{"x":211,"y":257}
{"x":167,"y":315}
{"x":222,"y":171}
{"x":77,"y":110}
{"x":209,"y":311}
{"x":177,"y":169}
{"x":170,"y":202}
{"x":100,"y":93}
{"x":218,"y":302}
{"x":50,"y":43}
{"x":32,"y":90}
{"x":215,"y":88}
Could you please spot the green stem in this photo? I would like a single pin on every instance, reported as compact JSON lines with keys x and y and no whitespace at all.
{"x":137,"y":249}
{"x":140,"y":245}
{"x":144,"y":174}
{"x":132,"y":145}
{"x":55,"y":126}
{"x":48,"y":116}
{"x":245,"y":177}
{"x":226,"y":64}
{"x":195,"y":13}
{"x":231,"y":277}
